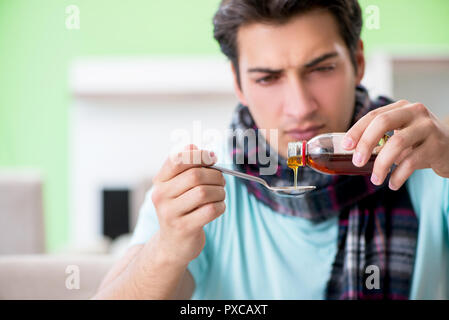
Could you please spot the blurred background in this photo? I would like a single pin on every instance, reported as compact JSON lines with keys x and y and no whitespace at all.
{"x":87,"y":109}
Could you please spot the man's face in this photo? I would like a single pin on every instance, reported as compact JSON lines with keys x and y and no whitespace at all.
{"x":297,"y":77}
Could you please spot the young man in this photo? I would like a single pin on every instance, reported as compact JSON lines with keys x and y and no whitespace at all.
{"x":297,"y":68}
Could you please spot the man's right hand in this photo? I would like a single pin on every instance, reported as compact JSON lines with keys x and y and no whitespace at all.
{"x":187,"y":195}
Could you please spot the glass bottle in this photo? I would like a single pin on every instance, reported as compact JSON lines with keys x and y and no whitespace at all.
{"x":325,"y":154}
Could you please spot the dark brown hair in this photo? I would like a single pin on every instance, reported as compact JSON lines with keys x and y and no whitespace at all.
{"x":233,"y":14}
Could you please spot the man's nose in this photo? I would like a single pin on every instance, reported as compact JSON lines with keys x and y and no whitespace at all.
{"x":298,"y":101}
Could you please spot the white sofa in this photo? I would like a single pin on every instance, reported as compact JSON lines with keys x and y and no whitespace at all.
{"x":26,"y":271}
{"x":43,"y":276}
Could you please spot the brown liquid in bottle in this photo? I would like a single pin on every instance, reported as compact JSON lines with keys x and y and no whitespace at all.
{"x":294,"y":163}
{"x":332,"y":163}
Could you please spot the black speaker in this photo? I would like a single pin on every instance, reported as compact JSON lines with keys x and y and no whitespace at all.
{"x":116,"y":210}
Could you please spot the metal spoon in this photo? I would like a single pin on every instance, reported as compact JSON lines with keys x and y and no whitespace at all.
{"x":282,"y":191}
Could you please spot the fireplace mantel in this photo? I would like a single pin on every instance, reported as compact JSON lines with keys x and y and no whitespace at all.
{"x":146,"y":77}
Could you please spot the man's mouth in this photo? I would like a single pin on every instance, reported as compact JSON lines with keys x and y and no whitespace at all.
{"x":303,"y":133}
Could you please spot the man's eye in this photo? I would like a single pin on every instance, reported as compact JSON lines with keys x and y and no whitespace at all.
{"x":267,"y":79}
{"x":324,"y":69}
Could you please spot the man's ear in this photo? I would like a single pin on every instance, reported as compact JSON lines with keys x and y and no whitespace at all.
{"x":237,"y":89}
{"x":360,"y":61}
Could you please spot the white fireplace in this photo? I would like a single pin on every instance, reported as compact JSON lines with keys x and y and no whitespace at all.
{"x":123,"y":113}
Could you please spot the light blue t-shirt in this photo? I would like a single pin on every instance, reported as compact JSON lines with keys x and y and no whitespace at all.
{"x":252,"y":252}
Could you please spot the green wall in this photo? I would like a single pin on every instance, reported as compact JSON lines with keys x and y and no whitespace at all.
{"x":409,"y":26}
{"x":36,"y":49}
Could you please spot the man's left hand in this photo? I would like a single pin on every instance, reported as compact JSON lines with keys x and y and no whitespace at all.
{"x":420,"y":141}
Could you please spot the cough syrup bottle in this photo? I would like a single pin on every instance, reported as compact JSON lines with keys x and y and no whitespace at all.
{"x":325,"y":154}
